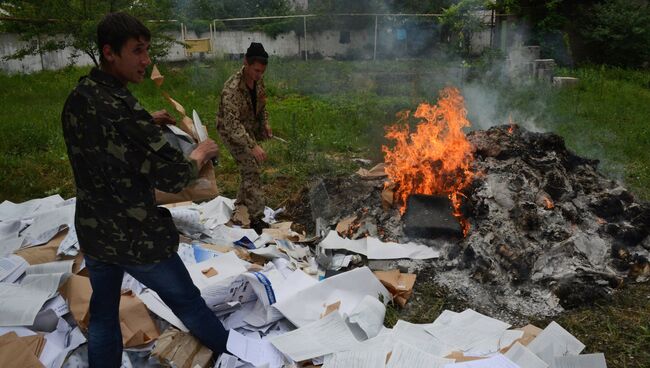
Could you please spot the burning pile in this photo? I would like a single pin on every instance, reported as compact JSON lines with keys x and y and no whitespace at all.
{"x":436,"y":158}
{"x":544,"y":230}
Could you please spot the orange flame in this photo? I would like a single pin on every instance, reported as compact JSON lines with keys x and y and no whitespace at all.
{"x":435,"y":159}
{"x":511,"y":128}
{"x":548,"y":203}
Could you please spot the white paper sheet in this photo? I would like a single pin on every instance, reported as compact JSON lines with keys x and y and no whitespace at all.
{"x":282,"y":286}
{"x":20,"y":304}
{"x":47,"y":224}
{"x":59,"y":343}
{"x":200,"y":130}
{"x":10,"y":210}
{"x":12,"y":267}
{"x":416,"y":335}
{"x":376,"y":249}
{"x":51,"y":267}
{"x":11,"y":228}
{"x":236,"y":319}
{"x":226,"y":234}
{"x":368,"y":315}
{"x":555,"y":341}
{"x":491,"y":345}
{"x":153,"y":302}
{"x":70,"y":244}
{"x":187,"y":220}
{"x":581,"y":361}
{"x":349,"y":288}
{"x":361,"y":358}
{"x":227,"y":266}
{"x":468,"y":329}
{"x":324,"y":336}
{"x":217,"y":211}
{"x":46,"y":282}
{"x":496,"y":361}
{"x":9,"y":245}
{"x":525,"y":358}
{"x":254,"y":351}
{"x":408,"y":356}
{"x":226,"y":361}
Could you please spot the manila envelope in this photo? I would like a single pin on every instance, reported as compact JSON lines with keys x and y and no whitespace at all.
{"x":181,"y":348}
{"x":43,"y":253}
{"x":399,"y":284}
{"x":15,"y":352}
{"x":137,"y":326}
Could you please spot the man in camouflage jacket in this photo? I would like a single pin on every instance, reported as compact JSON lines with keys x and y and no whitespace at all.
{"x":118,"y":156}
{"x":242,"y":121}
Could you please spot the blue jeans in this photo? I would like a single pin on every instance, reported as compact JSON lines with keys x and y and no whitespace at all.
{"x":173,"y":284}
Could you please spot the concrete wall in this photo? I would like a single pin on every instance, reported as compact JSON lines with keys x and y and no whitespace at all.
{"x":230,"y":44}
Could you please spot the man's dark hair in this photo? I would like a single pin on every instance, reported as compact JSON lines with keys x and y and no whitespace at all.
{"x":256,"y":54}
{"x":116,"y":28}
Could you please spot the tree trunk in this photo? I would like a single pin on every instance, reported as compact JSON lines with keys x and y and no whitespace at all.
{"x":92,"y":56}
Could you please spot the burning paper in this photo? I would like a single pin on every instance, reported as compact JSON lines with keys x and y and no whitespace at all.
{"x":436,"y":159}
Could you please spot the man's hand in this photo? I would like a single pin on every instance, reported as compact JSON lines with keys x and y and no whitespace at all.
{"x":268,"y":131}
{"x":205,"y":151}
{"x":162,"y":117}
{"x":258,"y":153}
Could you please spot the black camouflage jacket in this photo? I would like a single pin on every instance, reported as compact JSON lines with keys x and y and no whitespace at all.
{"x":118,"y":156}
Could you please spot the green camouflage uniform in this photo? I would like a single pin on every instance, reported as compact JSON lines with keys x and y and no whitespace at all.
{"x":240,"y":129}
{"x":118,"y":156}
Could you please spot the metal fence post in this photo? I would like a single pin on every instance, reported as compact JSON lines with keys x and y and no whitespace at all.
{"x":304,"y":29}
{"x":374,"y":51}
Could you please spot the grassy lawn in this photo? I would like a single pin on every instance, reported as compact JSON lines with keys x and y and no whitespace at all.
{"x":331,"y":112}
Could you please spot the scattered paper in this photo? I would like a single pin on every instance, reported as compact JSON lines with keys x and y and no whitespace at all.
{"x":407,"y":356}
{"x":525,"y":358}
{"x":254,"y":351}
{"x":376,"y":249}
{"x":399,"y":284}
{"x":20,"y":304}
{"x":469,"y":328}
{"x":368,"y":315}
{"x":11,"y":268}
{"x":321,"y":337}
{"x":358,"y":358}
{"x":349,"y":287}
{"x":555,"y":341}
{"x":495,"y":361}
{"x":416,"y":335}
{"x":581,"y":361}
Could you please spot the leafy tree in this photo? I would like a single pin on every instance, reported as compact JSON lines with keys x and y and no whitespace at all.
{"x":462,"y":21}
{"x":59,"y":24}
{"x":618,"y":31}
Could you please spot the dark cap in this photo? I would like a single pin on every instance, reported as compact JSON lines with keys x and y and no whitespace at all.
{"x":256,"y":50}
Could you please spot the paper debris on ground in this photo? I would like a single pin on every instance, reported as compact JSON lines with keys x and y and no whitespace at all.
{"x":407,"y":356}
{"x":374,"y":248}
{"x":181,"y":349}
{"x":349,"y":288}
{"x":278,"y":302}
{"x":254,"y":351}
{"x":376,"y":172}
{"x":399,"y":284}
{"x":320,"y":337}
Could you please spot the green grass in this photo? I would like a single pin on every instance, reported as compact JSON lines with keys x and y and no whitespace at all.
{"x":606,"y":117}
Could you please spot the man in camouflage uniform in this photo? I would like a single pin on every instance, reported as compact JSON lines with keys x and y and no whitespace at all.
{"x":242,"y":121}
{"x":118,"y":156}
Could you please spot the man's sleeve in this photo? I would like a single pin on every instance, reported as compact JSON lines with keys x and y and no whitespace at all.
{"x":138,"y":144}
{"x":233,"y":128}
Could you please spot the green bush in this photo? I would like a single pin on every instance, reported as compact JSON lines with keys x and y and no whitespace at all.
{"x":618,"y":32}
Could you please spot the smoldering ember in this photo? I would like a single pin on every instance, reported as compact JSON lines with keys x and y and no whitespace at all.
{"x":546,"y":231}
